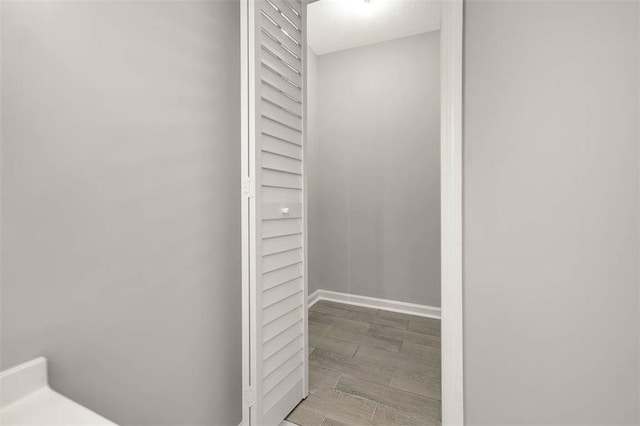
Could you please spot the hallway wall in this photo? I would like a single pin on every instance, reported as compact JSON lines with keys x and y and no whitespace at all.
{"x":551,"y":212}
{"x":121,"y":204}
{"x":374,"y":171}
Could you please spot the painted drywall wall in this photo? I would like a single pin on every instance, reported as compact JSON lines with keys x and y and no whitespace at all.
{"x":374,"y":182}
{"x":311,"y":167}
{"x":551,"y":213}
{"x":120,"y":204}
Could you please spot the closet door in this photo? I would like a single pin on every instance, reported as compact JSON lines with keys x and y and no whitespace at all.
{"x":274,"y":268}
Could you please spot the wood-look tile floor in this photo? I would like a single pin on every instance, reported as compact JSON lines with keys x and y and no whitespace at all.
{"x":370,"y":367}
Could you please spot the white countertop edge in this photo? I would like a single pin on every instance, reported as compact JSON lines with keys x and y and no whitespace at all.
{"x":27,"y":399}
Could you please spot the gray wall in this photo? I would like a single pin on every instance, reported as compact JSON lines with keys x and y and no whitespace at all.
{"x":102,"y":173}
{"x":551,"y":212}
{"x":374,"y":184}
{"x":120,"y":205}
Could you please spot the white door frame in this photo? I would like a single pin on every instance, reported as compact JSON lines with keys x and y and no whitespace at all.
{"x":451,"y":34}
{"x":451,"y":37}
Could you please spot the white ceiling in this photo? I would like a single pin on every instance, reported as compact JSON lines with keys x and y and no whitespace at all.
{"x":334,"y":25}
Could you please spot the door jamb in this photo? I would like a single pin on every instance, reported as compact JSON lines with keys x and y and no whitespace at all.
{"x":451,"y":62}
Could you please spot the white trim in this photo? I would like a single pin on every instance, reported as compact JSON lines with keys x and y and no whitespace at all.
{"x":451,"y":39}
{"x":313,"y":298}
{"x":305,"y":202}
{"x":251,"y":213}
{"x":284,"y":423}
{"x":375,"y":303}
{"x":245,"y":175}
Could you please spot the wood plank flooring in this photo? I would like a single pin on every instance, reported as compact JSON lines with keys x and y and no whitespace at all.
{"x":370,"y":367}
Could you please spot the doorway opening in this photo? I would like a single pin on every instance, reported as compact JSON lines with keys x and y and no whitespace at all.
{"x":372,"y":164}
{"x":352,"y":212}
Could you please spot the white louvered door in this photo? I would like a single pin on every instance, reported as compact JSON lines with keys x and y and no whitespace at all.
{"x":274,"y":233}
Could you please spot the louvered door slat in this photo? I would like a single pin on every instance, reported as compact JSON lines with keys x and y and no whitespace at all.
{"x":295,"y":5}
{"x":281,"y":260}
{"x":281,"y":323}
{"x":272,"y":379}
{"x":276,"y":129}
{"x":284,"y":353}
{"x":280,"y":292}
{"x":281,"y":243}
{"x":281,"y":115}
{"x":284,"y":385}
{"x":278,"y":161}
{"x":277,"y":228}
{"x":286,"y":195}
{"x":273,"y":32}
{"x":275,"y":161}
{"x":281,"y":147}
{"x":281,"y":67}
{"x":279,"y":276}
{"x":282,"y":306}
{"x":280,"y":41}
{"x":277,"y":96}
{"x":282,"y":23}
{"x":274,"y":46}
{"x":279,"y":342}
{"x":290,"y":13}
{"x":275,"y":79}
{"x":278,"y":179}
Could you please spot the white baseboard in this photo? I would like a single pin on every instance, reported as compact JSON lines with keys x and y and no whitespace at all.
{"x":313,"y":298}
{"x":375,"y":303}
{"x":284,"y":423}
